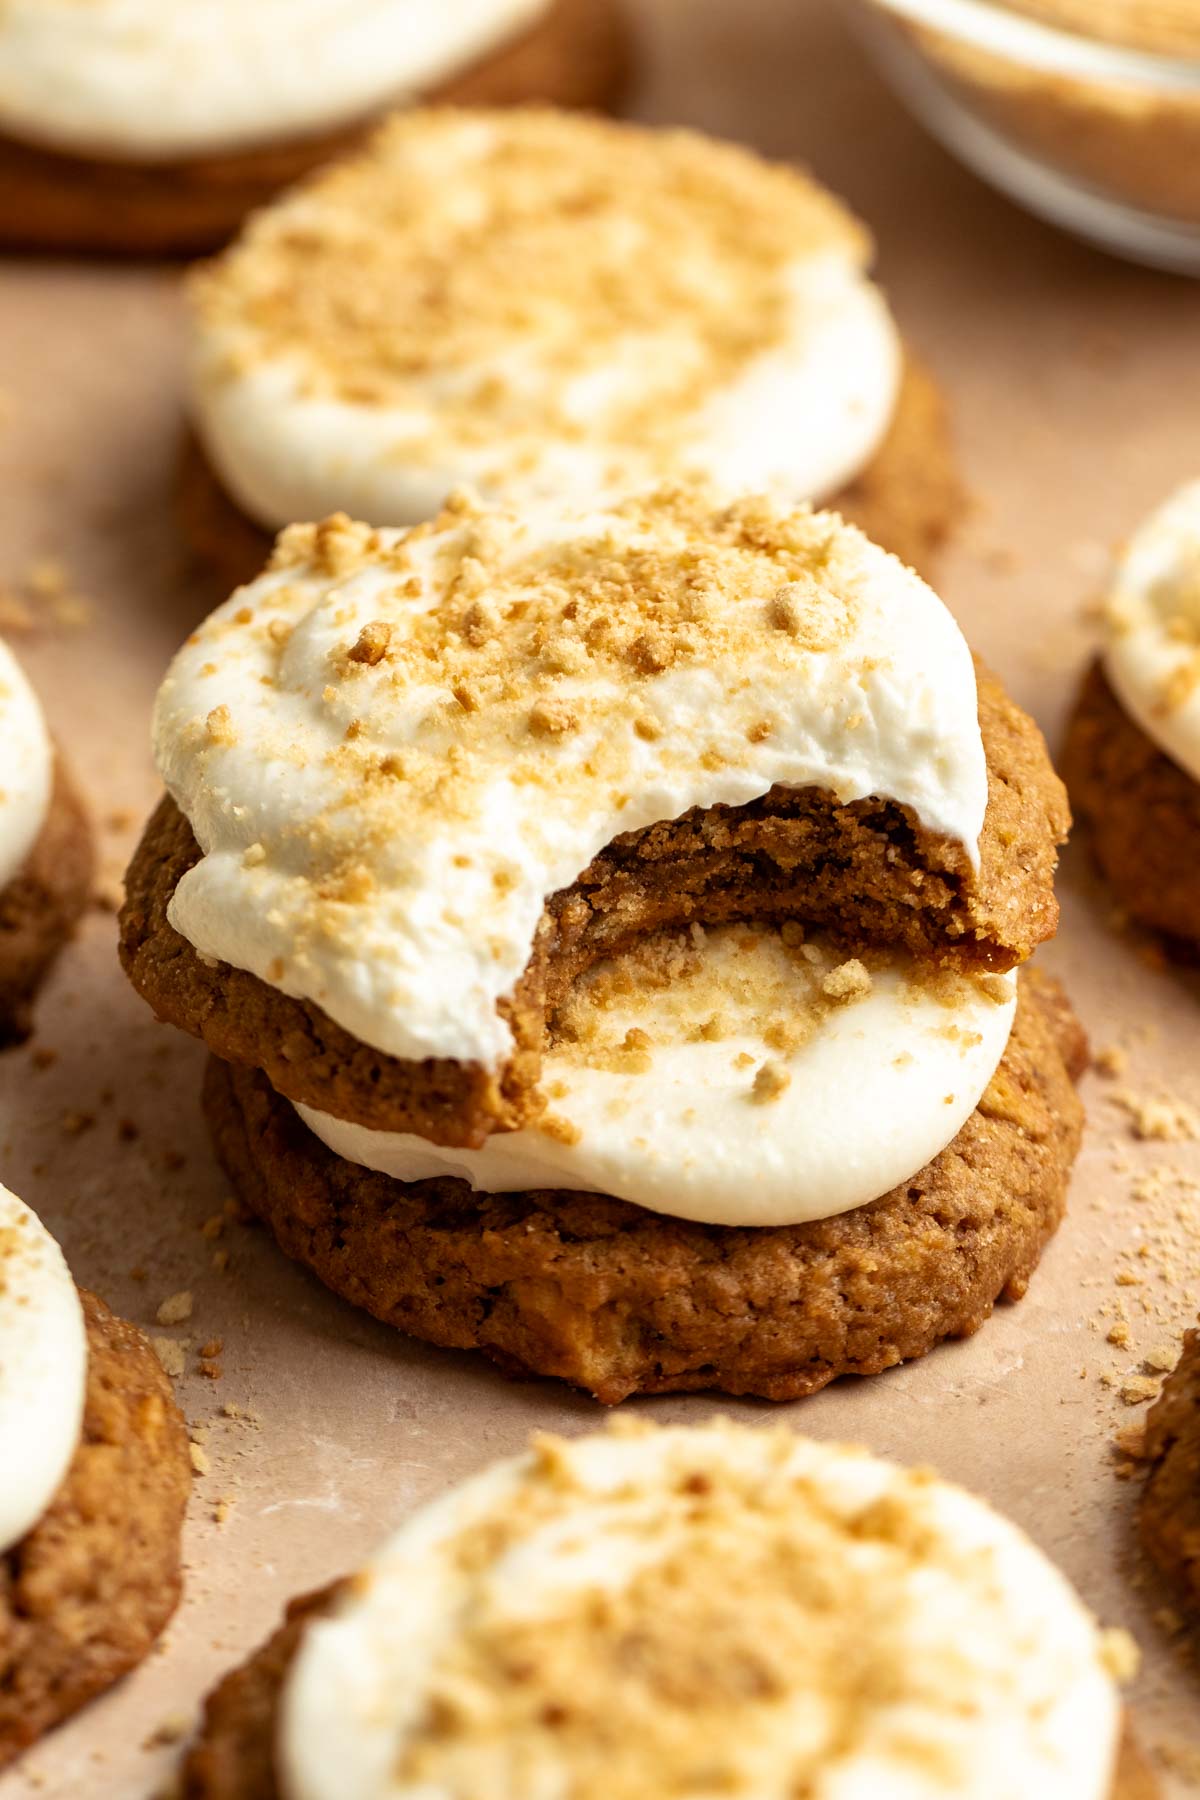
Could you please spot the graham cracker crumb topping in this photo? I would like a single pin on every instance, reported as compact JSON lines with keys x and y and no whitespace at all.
{"x":664,"y":1664}
{"x":503,"y":258}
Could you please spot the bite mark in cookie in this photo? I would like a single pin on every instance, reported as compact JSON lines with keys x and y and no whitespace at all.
{"x":470,"y":758}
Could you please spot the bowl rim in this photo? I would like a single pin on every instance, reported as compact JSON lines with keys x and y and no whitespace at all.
{"x":993,"y":25}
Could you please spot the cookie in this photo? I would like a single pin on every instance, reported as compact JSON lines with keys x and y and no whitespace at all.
{"x":767,"y":1566}
{"x":1141,"y":812}
{"x":1132,"y":752}
{"x":620,"y":1300}
{"x":906,"y":499}
{"x":572,"y":53}
{"x":542,"y":306}
{"x":86,"y":1589}
{"x":45,"y":851}
{"x":1170,"y":1505}
{"x":41,"y":906}
{"x":789,"y":633}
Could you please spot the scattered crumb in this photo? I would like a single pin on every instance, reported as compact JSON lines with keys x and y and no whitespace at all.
{"x":1138,"y":1389}
{"x":1120,"y":1654}
{"x":170,"y":1354}
{"x":175,"y":1309}
{"x":1165,"y":1117}
{"x":200,"y":1462}
{"x":1131,"y":1441}
{"x":171,"y":1730}
{"x":1110,"y":1060}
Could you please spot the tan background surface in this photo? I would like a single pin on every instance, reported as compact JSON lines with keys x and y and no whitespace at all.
{"x":1074,"y":385}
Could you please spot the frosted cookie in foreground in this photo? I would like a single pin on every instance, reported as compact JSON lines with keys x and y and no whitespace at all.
{"x":96,"y":1473}
{"x":1170,"y":1505}
{"x":45,"y":851}
{"x":1132,"y":755}
{"x":144,"y":127}
{"x":606,"y":923}
{"x":694,"y":1610}
{"x":539,"y":305}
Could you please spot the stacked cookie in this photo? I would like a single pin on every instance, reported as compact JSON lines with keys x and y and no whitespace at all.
{"x":703,"y":1610}
{"x":605,"y":923}
{"x":540,"y":305}
{"x":45,"y":851}
{"x":135,"y":126}
{"x":1132,"y":757}
{"x":96,"y":1472}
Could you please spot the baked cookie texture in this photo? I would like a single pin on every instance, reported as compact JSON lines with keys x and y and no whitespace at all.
{"x":619,"y":1300}
{"x":908,"y":499}
{"x":1142,"y":812}
{"x":1170,"y":1508}
{"x":863,"y":869}
{"x":578,"y":55}
{"x":84,"y":1595}
{"x":233,"y":1756}
{"x":41,"y":905}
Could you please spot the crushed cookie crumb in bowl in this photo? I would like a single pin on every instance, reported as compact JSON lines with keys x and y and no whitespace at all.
{"x":1085,"y":111}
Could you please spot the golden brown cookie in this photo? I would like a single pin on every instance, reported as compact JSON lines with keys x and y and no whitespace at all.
{"x":84,"y":1595}
{"x":908,"y":499}
{"x":577,"y":55}
{"x":41,"y":905}
{"x":1170,"y":1509}
{"x":796,"y":853}
{"x":619,"y":1300}
{"x":233,"y":1757}
{"x":1142,"y":812}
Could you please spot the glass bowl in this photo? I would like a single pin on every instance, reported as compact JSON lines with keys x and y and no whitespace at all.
{"x":1100,"y":137}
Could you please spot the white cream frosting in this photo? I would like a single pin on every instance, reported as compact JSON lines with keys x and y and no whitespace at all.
{"x":779,"y":377}
{"x":1152,"y":654}
{"x":152,"y":80}
{"x":745,"y":1095}
{"x":43,"y":1369}
{"x":392,"y":748}
{"x":26,"y":766}
{"x":709,"y":1610}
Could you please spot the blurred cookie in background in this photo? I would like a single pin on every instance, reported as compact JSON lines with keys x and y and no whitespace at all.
{"x":133,"y":126}
{"x":1132,"y":754}
{"x":538,"y":305}
{"x":45,"y":851}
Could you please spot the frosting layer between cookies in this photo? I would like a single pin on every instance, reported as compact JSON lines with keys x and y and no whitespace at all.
{"x":1152,"y":655}
{"x":26,"y":766}
{"x":708,"y":1610}
{"x":739,"y":1077}
{"x":538,"y":304}
{"x":151,"y":80}
{"x":43,"y":1368}
{"x":393,"y":747}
